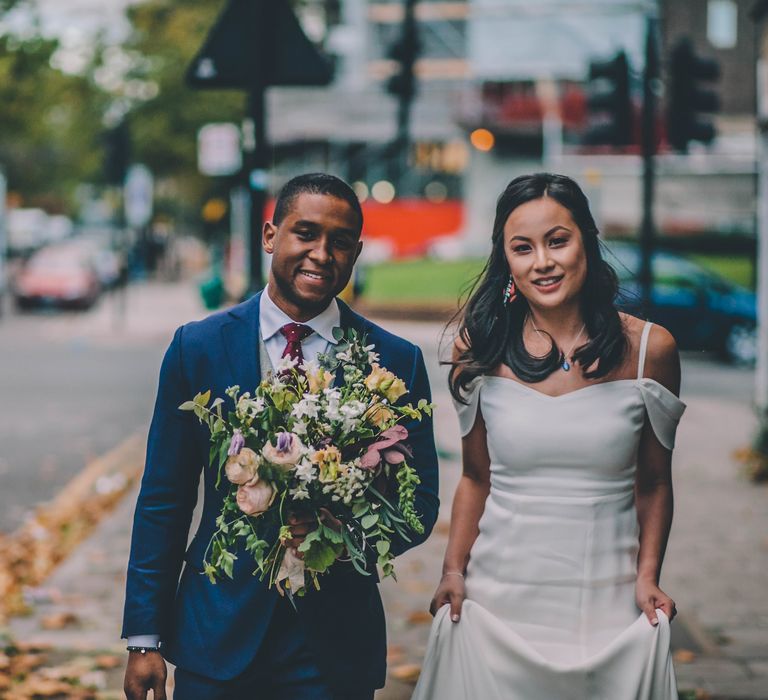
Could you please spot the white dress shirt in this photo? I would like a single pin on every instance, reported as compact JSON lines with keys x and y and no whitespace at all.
{"x":271,"y":320}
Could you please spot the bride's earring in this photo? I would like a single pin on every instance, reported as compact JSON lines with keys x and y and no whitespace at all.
{"x":510,"y":292}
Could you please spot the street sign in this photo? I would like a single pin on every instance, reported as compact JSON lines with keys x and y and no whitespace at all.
{"x":258,"y":43}
{"x":139,"y":196}
{"x":218,"y":150}
{"x":3,"y":240}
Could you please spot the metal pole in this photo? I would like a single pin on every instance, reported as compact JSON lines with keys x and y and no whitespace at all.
{"x":405,"y":102}
{"x":761,"y":370}
{"x":648,"y":141}
{"x":255,"y":171}
{"x":3,"y":243}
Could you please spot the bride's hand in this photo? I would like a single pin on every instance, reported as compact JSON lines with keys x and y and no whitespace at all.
{"x":450,"y":591}
{"x":650,"y":598}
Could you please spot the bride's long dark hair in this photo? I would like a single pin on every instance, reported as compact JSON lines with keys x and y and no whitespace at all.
{"x":493,"y":332}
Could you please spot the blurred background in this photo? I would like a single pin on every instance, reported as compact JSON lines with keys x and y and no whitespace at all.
{"x":142,"y":144}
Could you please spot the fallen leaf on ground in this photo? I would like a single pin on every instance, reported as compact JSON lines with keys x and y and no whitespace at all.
{"x":31,"y":647}
{"x":419,"y":617}
{"x":416,"y":566}
{"x":683,"y":656}
{"x":407,"y":673}
{"x":442,"y":527}
{"x":22,"y":664}
{"x":416,"y":586}
{"x":43,"y":688}
{"x":58,"y":621}
{"x":107,"y":661}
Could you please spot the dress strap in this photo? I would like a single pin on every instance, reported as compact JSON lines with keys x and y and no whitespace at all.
{"x":643,"y":348}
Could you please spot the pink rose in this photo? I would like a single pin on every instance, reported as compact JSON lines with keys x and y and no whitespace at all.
{"x":254,"y":499}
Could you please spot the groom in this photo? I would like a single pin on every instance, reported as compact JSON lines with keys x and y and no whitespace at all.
{"x":238,"y":639}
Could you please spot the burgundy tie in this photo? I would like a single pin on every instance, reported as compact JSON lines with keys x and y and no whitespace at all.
{"x":294,"y":333}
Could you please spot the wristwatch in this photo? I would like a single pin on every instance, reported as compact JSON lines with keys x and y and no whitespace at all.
{"x":143,"y":650}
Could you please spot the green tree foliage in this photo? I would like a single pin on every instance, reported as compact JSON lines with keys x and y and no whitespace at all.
{"x":49,"y":124}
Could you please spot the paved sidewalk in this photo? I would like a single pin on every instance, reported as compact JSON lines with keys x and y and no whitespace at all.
{"x":717,"y":564}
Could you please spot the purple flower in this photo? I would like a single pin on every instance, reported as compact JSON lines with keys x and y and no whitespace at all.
{"x":284,"y":442}
{"x":388,"y":447}
{"x":236,"y":444}
{"x":287,"y":451}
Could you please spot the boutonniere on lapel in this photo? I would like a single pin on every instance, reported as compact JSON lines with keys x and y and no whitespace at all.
{"x":334,"y":453}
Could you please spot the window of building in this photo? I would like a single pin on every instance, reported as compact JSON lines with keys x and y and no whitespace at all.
{"x":722,"y":23}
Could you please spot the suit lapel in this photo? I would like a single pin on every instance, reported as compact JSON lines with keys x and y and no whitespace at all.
{"x":241,"y":344}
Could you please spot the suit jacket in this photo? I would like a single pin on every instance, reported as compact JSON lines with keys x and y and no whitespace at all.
{"x":216,"y":629}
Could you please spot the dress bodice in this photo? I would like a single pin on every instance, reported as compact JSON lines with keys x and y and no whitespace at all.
{"x":584,"y":442}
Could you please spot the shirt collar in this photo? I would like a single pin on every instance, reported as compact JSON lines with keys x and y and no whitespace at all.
{"x":272,"y":319}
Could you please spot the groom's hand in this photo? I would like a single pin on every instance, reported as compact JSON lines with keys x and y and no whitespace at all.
{"x":302,"y":524}
{"x":145,"y":672}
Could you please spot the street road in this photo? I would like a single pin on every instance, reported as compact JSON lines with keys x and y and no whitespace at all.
{"x":75,"y":385}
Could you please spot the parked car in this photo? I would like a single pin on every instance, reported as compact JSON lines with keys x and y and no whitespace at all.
{"x":104,"y":260}
{"x":57,"y":276}
{"x":701,"y":309}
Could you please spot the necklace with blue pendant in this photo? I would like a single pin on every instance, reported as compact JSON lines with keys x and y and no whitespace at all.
{"x":564,"y":362}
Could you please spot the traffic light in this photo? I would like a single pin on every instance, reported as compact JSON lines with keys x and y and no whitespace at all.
{"x":687,"y":99}
{"x":117,"y":153}
{"x":609,"y":103}
{"x":405,"y":50}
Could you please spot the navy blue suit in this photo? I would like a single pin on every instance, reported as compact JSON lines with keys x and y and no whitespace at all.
{"x":216,"y":630}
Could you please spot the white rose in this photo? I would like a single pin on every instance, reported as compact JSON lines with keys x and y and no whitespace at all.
{"x":243,"y":466}
{"x":287,"y":452}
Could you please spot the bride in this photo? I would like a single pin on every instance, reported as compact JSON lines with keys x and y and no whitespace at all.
{"x":568,"y":411}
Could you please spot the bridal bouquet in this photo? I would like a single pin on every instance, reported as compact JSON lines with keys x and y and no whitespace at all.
{"x":298,"y":445}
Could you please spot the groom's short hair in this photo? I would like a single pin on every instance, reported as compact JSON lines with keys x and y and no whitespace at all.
{"x":315,"y":183}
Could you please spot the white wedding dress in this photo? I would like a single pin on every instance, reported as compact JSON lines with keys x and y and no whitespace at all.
{"x":550,"y":612}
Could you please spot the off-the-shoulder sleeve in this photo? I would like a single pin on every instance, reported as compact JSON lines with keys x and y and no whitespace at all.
{"x":664,"y":410}
{"x":467,"y":412}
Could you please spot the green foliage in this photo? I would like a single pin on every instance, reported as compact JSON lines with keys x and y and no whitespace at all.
{"x":321,"y":548}
{"x":50,"y":124}
{"x":407,"y":481}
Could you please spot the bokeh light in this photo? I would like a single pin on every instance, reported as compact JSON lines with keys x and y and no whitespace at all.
{"x":482,"y":139}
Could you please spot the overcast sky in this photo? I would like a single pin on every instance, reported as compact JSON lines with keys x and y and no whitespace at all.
{"x":73,"y":19}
